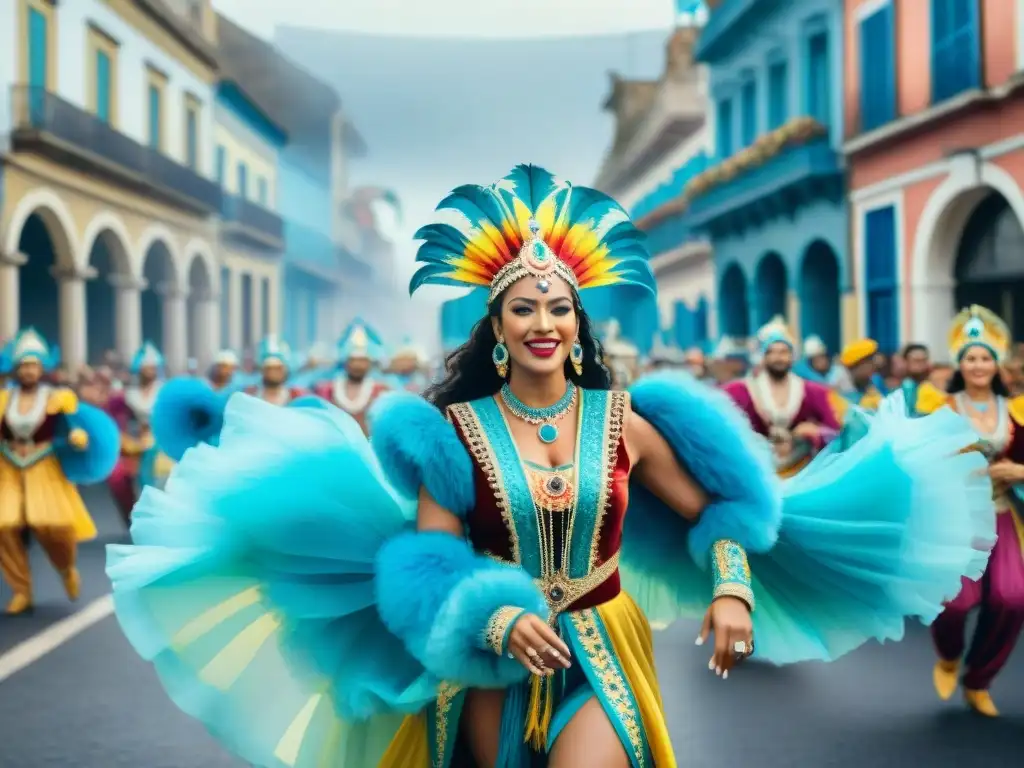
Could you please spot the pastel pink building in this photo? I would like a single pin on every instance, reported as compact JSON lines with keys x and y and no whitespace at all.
{"x":934,"y":113}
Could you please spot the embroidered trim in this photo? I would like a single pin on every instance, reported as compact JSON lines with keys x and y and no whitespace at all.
{"x":618,"y":404}
{"x":771,"y":414}
{"x":362,"y":399}
{"x":483,"y":453}
{"x":501,"y":621}
{"x":731,"y":572}
{"x":446,"y":693}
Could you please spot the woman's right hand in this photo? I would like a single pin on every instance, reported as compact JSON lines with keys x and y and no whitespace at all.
{"x":535,"y":645}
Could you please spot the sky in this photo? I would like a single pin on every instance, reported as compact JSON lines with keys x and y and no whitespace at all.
{"x":457,"y":18}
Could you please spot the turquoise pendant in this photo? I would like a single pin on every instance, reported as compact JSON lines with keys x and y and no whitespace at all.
{"x":547,"y":433}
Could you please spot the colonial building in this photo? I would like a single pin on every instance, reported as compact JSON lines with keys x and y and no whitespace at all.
{"x":934,"y":144}
{"x":661,"y":143}
{"x":107,"y":235}
{"x":249,"y":138}
{"x":323,"y":278}
{"x":773,"y":201}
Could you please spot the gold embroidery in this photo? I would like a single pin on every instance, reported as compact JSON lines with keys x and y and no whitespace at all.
{"x":483,"y":453}
{"x":614,"y":687}
{"x":731,"y":571}
{"x":618,"y":405}
{"x":446,"y":693}
{"x":551,"y":489}
{"x":497,"y":626}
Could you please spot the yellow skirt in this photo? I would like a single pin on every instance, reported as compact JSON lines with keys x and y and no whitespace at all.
{"x":40,"y":496}
{"x":629,"y":633}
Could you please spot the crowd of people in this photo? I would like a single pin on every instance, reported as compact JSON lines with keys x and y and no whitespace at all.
{"x":345,"y":572}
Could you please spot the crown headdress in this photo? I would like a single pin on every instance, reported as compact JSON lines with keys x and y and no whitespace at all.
{"x":531,"y":224}
{"x":147,"y":354}
{"x":272,"y":349}
{"x":978,"y":326}
{"x":359,"y":340}
{"x":774,"y":331}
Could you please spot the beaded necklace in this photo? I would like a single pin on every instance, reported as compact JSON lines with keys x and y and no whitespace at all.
{"x":547,"y":431}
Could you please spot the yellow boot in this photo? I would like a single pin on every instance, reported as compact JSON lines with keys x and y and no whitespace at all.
{"x":20,"y":603}
{"x":981,"y":702}
{"x":945,"y":678}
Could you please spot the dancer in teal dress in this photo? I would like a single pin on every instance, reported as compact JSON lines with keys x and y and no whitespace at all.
{"x":474,"y":584}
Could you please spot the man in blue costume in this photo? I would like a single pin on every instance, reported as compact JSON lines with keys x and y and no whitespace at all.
{"x":355,"y":387}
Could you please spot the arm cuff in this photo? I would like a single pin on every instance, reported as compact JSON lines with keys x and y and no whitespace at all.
{"x":495,"y":637}
{"x":731,"y":572}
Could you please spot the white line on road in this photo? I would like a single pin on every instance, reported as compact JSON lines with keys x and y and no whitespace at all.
{"x":37,"y":646}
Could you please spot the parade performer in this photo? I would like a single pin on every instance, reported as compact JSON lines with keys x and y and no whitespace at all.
{"x":919,"y":394}
{"x":979,"y":341}
{"x":793,"y":414}
{"x":222,"y":372}
{"x":815,"y":365}
{"x":406,"y":367}
{"x":861,"y":385}
{"x":275,"y":365}
{"x":471,"y":579}
{"x":142,"y":462}
{"x":49,"y":442}
{"x":356,"y":387}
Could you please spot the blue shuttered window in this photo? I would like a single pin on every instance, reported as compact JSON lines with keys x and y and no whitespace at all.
{"x":191,"y":138}
{"x":683,"y":325}
{"x":819,"y":79}
{"x":38,"y":44}
{"x":881,"y":259}
{"x":248,"y":329}
{"x":243,"y":180}
{"x":956,"y":44}
{"x":877,"y":69}
{"x":748,"y":97}
{"x":264,"y":307}
{"x":778,"y":94}
{"x":103,"y":86}
{"x":225,"y":307}
{"x":221,"y":164}
{"x":155,"y":119}
{"x":725,"y":132}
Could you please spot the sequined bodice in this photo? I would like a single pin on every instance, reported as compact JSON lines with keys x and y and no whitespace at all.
{"x":23,"y":426}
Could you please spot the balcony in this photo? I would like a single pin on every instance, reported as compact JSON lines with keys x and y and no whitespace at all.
{"x":317,"y":254}
{"x":797,"y":175}
{"x":729,"y":26}
{"x":49,"y":126}
{"x":253,"y":224}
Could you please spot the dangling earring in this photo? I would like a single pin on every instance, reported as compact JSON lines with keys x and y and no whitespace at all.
{"x":576,"y":357}
{"x":499,"y":356}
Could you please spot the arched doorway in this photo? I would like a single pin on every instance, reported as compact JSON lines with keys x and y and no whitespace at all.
{"x":200,"y":292}
{"x":109,"y":257}
{"x":819,"y":294}
{"x":772,"y":286}
{"x":734,"y":309}
{"x":47,"y":245}
{"x":159,"y":274}
{"x":989,"y":265}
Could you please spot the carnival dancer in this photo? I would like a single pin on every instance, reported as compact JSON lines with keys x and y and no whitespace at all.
{"x":406,"y":367}
{"x":859,"y":382}
{"x":919,"y":394}
{"x":815,"y":365}
{"x":978,"y":342}
{"x":275,"y":365}
{"x":793,"y":414}
{"x":222,"y":372}
{"x":142,"y":462}
{"x":49,"y":442}
{"x":356,"y":387}
{"x":287,"y":597}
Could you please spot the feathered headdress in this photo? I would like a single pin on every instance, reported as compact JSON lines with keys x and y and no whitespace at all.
{"x":29,"y":345}
{"x":273,"y":350}
{"x":531,"y":224}
{"x":775,"y":331}
{"x":978,"y":326}
{"x":359,"y":340}
{"x":147,"y":354}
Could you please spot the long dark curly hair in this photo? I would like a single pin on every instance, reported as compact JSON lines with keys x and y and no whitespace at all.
{"x":470,"y":373}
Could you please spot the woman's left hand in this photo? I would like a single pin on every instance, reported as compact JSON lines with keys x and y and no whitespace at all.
{"x":729,"y":619}
{"x":1006,"y":472}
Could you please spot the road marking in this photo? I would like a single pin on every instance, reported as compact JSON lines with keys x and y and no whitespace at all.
{"x":54,"y":636}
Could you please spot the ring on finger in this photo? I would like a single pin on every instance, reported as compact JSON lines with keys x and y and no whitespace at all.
{"x":532,"y":653}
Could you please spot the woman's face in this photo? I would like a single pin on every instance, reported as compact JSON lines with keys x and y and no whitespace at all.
{"x":538,"y":328}
{"x":978,"y":367}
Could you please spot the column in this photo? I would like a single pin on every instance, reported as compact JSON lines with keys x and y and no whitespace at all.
{"x":10,"y":264}
{"x":74,"y":331}
{"x":256,"y":308}
{"x":128,"y":312}
{"x":208,"y":341}
{"x":932,"y":302}
{"x":175,"y":341}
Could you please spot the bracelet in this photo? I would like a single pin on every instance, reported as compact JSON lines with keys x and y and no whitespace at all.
{"x":499,"y":626}
{"x":731,"y":572}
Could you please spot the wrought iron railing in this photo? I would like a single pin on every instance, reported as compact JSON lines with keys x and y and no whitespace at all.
{"x":35,"y":110}
{"x":241,"y":211}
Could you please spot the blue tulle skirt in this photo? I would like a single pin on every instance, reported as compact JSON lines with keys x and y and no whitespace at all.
{"x":250,"y":583}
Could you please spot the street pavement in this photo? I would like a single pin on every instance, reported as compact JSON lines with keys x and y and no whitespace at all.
{"x":92,"y":703}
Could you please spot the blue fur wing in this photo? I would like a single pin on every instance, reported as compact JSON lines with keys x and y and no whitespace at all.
{"x":97,"y":461}
{"x":870,"y":533}
{"x":187,"y":412}
{"x":418,"y":448}
{"x":250,"y":585}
